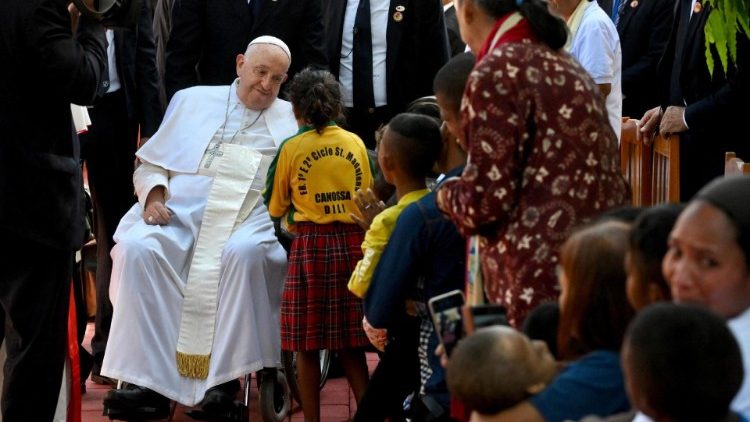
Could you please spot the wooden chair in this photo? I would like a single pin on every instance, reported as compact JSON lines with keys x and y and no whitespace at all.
{"x":635,"y":161}
{"x":733,"y":165}
{"x":665,"y":174}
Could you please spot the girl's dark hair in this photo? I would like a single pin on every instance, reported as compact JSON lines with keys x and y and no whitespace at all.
{"x":547,"y":27}
{"x":316,"y":97}
{"x":596,"y":311}
{"x":648,"y":243}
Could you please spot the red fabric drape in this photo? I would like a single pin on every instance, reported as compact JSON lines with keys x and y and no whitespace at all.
{"x":74,"y":403}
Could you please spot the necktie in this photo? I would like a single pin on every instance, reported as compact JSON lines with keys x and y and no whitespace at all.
{"x":615,"y":9}
{"x":620,"y":11}
{"x":254,"y":6}
{"x":675,"y":96}
{"x":104,"y":84}
{"x":362,"y":57}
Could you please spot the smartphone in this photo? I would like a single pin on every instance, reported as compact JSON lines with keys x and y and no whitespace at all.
{"x":445,"y":310}
{"x":480,"y":316}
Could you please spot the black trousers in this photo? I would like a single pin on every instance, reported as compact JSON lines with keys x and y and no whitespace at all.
{"x":365,"y":121}
{"x":109,"y":151}
{"x":34,"y":294}
{"x":395,"y":377}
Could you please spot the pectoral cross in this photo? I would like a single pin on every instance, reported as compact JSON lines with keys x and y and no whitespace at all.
{"x":213,"y":152}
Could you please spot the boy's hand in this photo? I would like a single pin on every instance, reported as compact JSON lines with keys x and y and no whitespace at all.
{"x":369,"y":206}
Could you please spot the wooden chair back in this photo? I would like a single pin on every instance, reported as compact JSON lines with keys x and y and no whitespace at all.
{"x":635,"y":161}
{"x":734,"y":165}
{"x":665,"y":174}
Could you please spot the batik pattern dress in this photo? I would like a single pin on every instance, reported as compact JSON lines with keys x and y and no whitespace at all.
{"x":543,"y":159}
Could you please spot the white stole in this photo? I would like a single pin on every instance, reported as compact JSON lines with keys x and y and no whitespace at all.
{"x":229,"y":201}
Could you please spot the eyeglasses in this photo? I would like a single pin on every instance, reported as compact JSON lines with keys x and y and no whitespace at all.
{"x":262,"y":72}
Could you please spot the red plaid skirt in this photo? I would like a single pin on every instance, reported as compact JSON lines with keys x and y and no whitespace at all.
{"x":317,"y":310}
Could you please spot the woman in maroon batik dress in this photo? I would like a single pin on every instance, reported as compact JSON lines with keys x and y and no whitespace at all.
{"x":542,"y":155}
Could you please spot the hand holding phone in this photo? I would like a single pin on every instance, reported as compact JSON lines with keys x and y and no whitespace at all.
{"x":445,"y":310}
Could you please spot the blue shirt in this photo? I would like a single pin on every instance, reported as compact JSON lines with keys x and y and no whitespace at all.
{"x":424,"y":257}
{"x":592,"y":385}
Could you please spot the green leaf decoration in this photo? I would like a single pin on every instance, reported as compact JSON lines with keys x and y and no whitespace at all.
{"x":726,"y":18}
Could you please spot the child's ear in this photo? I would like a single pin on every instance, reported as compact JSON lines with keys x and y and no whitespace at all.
{"x":536,"y":388}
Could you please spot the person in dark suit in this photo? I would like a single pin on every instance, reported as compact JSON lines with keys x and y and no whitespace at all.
{"x":406,"y":47}
{"x":707,"y":111}
{"x":45,"y":68}
{"x":643,"y":26}
{"x":127,"y":104}
{"x":207,"y":35}
{"x":457,"y":45}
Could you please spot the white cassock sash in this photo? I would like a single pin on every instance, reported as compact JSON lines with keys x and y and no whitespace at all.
{"x":233,"y":194}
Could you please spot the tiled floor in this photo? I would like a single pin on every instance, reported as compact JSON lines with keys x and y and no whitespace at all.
{"x":337,"y":401}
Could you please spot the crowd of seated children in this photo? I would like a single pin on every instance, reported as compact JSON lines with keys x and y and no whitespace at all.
{"x":594,"y":314}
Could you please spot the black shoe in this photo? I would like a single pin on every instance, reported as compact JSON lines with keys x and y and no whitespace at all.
{"x":135,"y":403}
{"x":220,"y":398}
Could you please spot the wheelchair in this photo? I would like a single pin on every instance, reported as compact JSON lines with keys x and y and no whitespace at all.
{"x":273,"y":397}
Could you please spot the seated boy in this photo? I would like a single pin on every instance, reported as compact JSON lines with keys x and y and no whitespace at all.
{"x":497,"y":367}
{"x":681,"y":363}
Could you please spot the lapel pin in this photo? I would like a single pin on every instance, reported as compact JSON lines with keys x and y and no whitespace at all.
{"x":400,"y":8}
{"x":634,"y":4}
{"x":398,"y":16}
{"x":697,"y":7}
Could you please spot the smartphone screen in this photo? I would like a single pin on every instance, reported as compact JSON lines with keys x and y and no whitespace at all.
{"x":446,"y":317}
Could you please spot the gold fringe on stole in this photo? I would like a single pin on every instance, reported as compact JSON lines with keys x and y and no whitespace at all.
{"x":193,"y":366}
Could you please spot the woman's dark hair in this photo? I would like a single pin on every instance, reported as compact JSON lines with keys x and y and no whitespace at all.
{"x":684,"y":361}
{"x":316,"y":97}
{"x":549,"y":28}
{"x":595,"y":311}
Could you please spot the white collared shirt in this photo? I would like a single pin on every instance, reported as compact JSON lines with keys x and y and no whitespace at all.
{"x":114,"y":79}
{"x":379,"y":28}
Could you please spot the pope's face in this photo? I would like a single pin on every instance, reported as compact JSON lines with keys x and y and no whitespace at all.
{"x":261,"y":70}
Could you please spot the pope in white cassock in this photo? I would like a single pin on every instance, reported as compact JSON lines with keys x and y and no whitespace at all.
{"x":197,"y":270}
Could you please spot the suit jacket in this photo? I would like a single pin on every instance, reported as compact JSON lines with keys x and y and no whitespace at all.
{"x":644,"y":28}
{"x":716,"y":106}
{"x":45,"y":69}
{"x":135,"y":54}
{"x":417,"y":47}
{"x":457,"y":45}
{"x":207,"y":35}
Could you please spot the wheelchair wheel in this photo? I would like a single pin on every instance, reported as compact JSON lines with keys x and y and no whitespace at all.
{"x":289,"y":361}
{"x":274,"y":396}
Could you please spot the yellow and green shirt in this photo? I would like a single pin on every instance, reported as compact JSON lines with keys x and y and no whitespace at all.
{"x":314,"y":176}
{"x":375,"y":240}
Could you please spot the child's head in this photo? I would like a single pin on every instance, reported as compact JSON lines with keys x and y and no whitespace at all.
{"x":410,"y":145}
{"x":594,"y":310}
{"x":448,"y":85}
{"x":498,"y":367}
{"x":315,"y":98}
{"x":681,"y":363}
{"x":648,"y":245}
